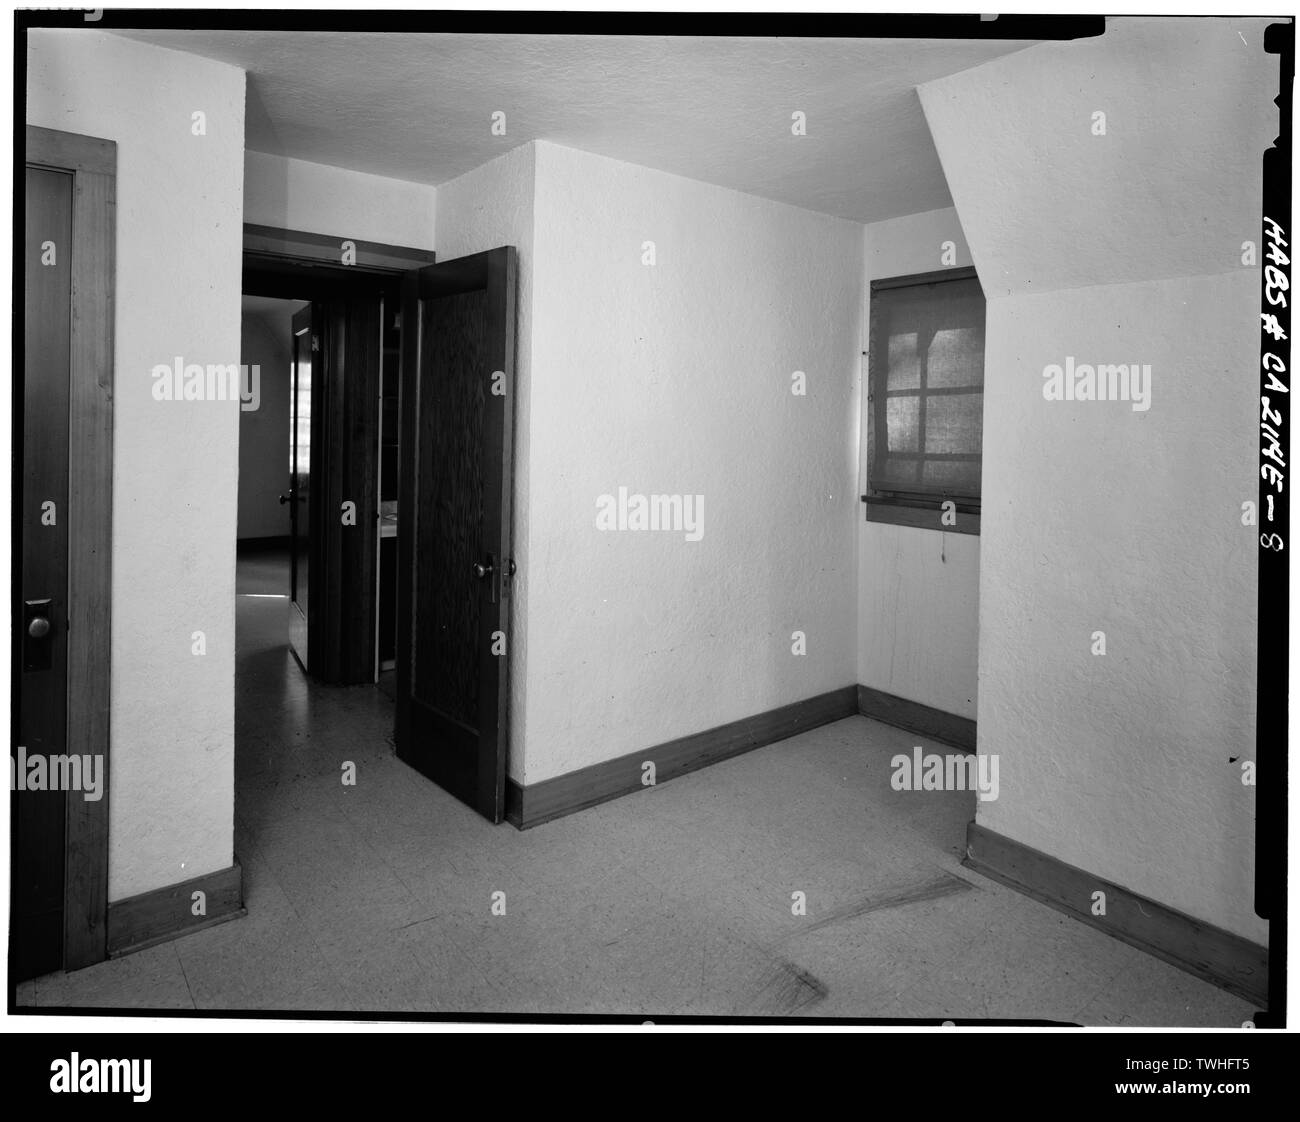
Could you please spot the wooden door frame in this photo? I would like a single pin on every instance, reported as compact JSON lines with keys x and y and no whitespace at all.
{"x":92,"y":162}
{"x":274,"y":244}
{"x":274,"y":258}
{"x":299,"y":637}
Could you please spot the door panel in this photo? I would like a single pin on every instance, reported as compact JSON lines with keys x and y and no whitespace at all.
{"x":445,"y":663}
{"x":39,"y":817}
{"x":300,"y":456}
{"x":337,"y":359}
{"x":351,"y":352}
{"x":454,"y":550}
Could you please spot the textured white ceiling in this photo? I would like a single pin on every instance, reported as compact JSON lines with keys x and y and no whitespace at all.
{"x":419,"y":107}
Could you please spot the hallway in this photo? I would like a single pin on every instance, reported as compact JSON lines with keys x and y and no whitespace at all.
{"x":378,"y":897}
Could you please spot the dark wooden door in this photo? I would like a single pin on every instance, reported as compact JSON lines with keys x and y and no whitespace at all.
{"x":300,"y":455}
{"x":454,"y":509}
{"x":338,"y":347}
{"x":40,"y":651}
{"x":347,"y":483}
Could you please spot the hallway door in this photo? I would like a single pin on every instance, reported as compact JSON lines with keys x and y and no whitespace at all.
{"x":62,"y":550}
{"x":454,"y":549}
{"x":41,"y":619}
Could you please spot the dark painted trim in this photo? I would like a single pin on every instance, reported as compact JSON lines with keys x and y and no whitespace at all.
{"x":69,"y":151}
{"x":1218,"y":956}
{"x":937,"y":276}
{"x":576,"y":790}
{"x":323,"y":249}
{"x":918,"y":718}
{"x":155,"y":917}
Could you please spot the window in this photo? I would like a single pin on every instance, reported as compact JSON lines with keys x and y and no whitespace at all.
{"x":925,"y":403}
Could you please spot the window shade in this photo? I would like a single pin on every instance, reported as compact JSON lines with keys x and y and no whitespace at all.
{"x":927,"y":391}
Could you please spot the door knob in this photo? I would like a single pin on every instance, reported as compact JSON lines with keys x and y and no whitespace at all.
{"x":481,"y":570}
{"x":38,"y":646}
{"x":284,"y":499}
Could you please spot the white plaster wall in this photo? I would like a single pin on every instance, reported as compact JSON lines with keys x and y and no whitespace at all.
{"x":676,"y":379}
{"x":1106,"y":519}
{"x":175,"y":464}
{"x":918,"y":590}
{"x":918,"y":604}
{"x":319,"y":199}
{"x":489,"y":207}
{"x":264,"y":431}
{"x":1124,"y":248}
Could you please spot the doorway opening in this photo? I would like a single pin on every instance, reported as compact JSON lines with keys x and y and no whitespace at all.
{"x":316,"y":556}
{"x":386,"y":560}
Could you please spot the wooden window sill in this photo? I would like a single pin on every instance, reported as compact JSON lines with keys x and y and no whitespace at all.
{"x":923,"y":518}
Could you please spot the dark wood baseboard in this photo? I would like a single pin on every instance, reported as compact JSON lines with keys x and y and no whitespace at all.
{"x":552,"y":798}
{"x":915,"y":717}
{"x":165,"y":913}
{"x":1218,"y":956}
